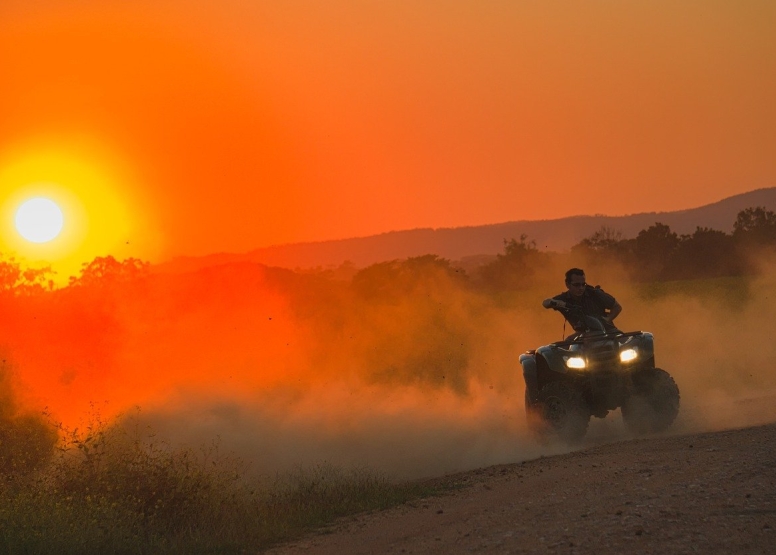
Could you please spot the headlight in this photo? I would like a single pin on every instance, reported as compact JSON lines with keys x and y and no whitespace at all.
{"x":575,"y":362}
{"x":628,"y":355}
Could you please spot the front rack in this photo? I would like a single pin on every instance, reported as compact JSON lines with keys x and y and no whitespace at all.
{"x":596,"y":337}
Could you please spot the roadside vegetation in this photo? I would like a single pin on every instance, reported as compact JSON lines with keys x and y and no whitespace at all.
{"x":111,"y":490}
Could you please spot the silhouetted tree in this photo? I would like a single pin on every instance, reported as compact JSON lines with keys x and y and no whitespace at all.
{"x":606,"y":238}
{"x":755,"y":227}
{"x":396,"y":278}
{"x":15,"y":280}
{"x":706,"y":253}
{"x":411,"y":308}
{"x":515,"y":268}
{"x":605,"y":245}
{"x":653,"y":247}
{"x":106,"y":270}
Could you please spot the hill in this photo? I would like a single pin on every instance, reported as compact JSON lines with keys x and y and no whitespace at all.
{"x":461,"y":242}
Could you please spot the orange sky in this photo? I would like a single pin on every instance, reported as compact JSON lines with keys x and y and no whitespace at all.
{"x":226,"y":126}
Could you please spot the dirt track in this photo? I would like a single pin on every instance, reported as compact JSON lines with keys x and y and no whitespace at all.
{"x":698,"y":493}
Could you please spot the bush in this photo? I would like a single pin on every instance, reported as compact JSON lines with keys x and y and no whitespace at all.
{"x":114,"y":490}
{"x":26,"y":440}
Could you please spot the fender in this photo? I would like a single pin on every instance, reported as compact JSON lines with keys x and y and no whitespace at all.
{"x":648,"y":346}
{"x":554,"y":357}
{"x":645,"y":343}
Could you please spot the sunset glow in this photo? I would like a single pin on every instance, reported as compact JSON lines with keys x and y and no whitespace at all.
{"x":242,"y":125}
{"x":89,"y":190}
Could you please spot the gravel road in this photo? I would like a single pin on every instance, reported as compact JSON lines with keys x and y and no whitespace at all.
{"x":712,"y":492}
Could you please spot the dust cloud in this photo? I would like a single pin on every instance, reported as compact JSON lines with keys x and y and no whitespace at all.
{"x":408,"y":367}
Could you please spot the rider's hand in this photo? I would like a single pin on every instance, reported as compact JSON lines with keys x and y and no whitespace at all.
{"x":553,"y":303}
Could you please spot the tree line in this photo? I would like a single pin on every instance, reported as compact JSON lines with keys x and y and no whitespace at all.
{"x":655,"y":254}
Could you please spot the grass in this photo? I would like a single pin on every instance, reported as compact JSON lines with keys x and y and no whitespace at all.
{"x":110,"y":491}
{"x":729,"y":291}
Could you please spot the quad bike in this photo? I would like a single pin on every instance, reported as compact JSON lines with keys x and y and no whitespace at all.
{"x":594,"y":372}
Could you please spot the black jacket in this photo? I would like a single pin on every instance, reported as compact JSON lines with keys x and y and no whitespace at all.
{"x":594,"y":302}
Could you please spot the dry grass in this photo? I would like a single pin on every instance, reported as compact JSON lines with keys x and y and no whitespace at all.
{"x":112,"y":489}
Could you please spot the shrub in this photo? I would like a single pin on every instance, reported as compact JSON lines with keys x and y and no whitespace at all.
{"x":117,"y":489}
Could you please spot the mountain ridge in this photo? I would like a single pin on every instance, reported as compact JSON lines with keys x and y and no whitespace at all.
{"x":459,"y":243}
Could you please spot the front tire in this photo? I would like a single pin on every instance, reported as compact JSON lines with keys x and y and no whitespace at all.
{"x":654,"y":405}
{"x":560,"y":412}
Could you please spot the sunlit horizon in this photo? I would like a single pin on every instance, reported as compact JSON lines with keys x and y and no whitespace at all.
{"x":239,"y":126}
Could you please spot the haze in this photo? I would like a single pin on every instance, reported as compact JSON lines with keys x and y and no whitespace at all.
{"x":412,"y":375}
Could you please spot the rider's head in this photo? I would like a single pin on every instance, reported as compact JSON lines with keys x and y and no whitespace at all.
{"x":575,"y":281}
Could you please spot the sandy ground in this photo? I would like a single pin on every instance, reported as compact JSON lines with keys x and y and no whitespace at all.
{"x":696,"y":492}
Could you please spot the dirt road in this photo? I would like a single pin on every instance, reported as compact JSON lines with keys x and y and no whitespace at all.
{"x":698,"y":493}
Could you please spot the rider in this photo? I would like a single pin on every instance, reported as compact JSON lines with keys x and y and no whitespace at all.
{"x":593,"y":301}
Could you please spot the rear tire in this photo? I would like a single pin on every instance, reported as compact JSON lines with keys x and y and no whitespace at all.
{"x":654,"y":405}
{"x":560,"y":412}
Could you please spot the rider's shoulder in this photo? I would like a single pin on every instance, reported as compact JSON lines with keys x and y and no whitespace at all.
{"x":594,"y":289}
{"x":597,"y":291}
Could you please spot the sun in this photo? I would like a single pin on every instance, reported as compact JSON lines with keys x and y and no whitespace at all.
{"x":62,"y":207}
{"x":39,"y":220}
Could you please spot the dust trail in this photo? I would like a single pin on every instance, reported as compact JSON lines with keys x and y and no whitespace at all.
{"x":722,"y":353}
{"x":408,"y":369}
